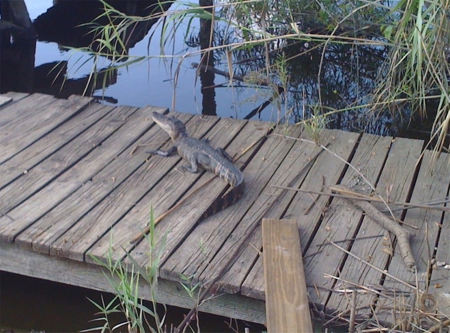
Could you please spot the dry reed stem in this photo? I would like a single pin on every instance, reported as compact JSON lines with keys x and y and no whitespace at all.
{"x":372,"y":266}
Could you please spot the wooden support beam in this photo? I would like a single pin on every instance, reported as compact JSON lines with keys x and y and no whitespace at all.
{"x":287,"y":308}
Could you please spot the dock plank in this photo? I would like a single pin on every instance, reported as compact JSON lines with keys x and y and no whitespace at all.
{"x":37,"y":265}
{"x":72,"y":208}
{"x":431,"y":185}
{"x":395,"y":180}
{"x":271,"y":203}
{"x":161,"y":197}
{"x":39,"y":150}
{"x":108,"y":139}
{"x":27,"y":106}
{"x":4,"y":100}
{"x":341,"y":221}
{"x":326,"y":167}
{"x":206,"y":240}
{"x":94,"y":227}
{"x":29,"y":126}
{"x":286,"y":295}
{"x":77,"y":182}
{"x":182,"y":221}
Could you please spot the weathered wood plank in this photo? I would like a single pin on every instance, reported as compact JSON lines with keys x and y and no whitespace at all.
{"x":4,"y":100}
{"x":271,"y":203}
{"x":16,"y":96}
{"x":183,"y":220}
{"x":39,"y":150}
{"x":29,"y":127}
{"x":287,"y":306}
{"x":162,"y":196}
{"x":73,"y":165}
{"x":27,"y":106}
{"x":73,"y":207}
{"x":432,"y":185}
{"x":144,"y":176}
{"x":202,"y":245}
{"x":395,"y":182}
{"x":440,"y":275}
{"x":326,"y":168}
{"x":341,"y":221}
{"x":17,"y":260}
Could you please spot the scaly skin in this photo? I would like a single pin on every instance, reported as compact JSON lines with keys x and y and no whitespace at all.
{"x":198,"y":153}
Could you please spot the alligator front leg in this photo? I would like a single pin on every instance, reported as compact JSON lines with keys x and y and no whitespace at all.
{"x":164,"y":153}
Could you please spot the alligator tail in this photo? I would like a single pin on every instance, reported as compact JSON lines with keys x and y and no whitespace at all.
{"x":230,"y":197}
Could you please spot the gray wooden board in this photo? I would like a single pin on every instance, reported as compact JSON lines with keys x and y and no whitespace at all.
{"x":97,"y":221}
{"x":177,"y":225}
{"x":47,"y":145}
{"x":29,"y":106}
{"x":271,"y":203}
{"x":327,"y":167}
{"x":432,"y":184}
{"x":22,"y":132}
{"x":67,"y":169}
{"x":57,"y":163}
{"x":36,"y":265}
{"x":206,"y":241}
{"x":45,"y":231}
{"x":5,"y":100}
{"x":396,"y":178}
{"x":341,"y":220}
{"x":14,"y":96}
{"x":440,"y":275}
{"x":162,"y":196}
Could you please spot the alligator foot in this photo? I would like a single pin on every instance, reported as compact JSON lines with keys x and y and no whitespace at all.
{"x":161,"y":152}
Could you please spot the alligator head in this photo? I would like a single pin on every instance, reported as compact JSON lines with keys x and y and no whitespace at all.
{"x":174,"y":127}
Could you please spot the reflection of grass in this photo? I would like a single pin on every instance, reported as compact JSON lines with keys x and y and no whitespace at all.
{"x":407,"y":44}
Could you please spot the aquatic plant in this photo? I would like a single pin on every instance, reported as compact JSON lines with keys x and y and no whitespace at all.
{"x":125,"y":277}
{"x":366,"y":56}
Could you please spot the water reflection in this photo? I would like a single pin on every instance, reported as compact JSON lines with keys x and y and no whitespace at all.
{"x":284,"y":79}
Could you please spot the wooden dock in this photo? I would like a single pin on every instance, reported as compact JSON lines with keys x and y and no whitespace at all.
{"x":76,"y":182}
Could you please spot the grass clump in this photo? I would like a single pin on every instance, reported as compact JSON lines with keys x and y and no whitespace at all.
{"x":125,"y":279}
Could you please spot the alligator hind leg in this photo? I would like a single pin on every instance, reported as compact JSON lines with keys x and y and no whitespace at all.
{"x":196,"y":160}
{"x":164,"y":153}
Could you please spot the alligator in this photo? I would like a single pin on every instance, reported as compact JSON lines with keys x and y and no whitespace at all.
{"x":200,"y":154}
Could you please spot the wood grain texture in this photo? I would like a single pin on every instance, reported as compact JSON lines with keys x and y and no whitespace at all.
{"x":287,"y":306}
{"x":159,"y":195}
{"x":65,"y":171}
{"x":271,"y":203}
{"x":73,"y":184}
{"x":326,"y":170}
{"x":39,"y":150}
{"x":395,"y":183}
{"x":431,"y":185}
{"x":205,"y":242}
{"x":27,"y":127}
{"x":42,"y":234}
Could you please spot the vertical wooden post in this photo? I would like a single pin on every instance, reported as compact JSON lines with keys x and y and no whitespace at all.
{"x":287,"y":307}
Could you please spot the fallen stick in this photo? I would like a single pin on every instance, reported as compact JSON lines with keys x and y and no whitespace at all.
{"x":402,"y":234}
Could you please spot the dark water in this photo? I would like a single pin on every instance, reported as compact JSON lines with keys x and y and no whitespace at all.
{"x":28,"y":304}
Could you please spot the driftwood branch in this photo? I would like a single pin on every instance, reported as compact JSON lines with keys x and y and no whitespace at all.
{"x":384,"y":221}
